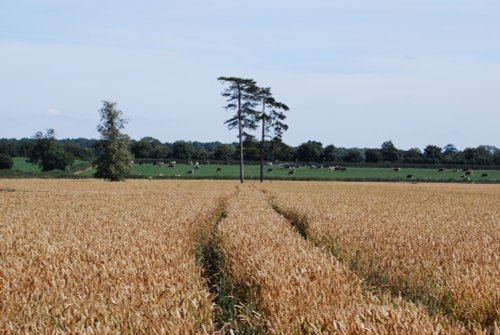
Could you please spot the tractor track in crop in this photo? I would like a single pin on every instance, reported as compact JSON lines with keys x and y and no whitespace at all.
{"x":231,"y":299}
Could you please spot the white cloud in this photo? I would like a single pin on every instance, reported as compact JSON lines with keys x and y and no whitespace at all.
{"x":54,"y":112}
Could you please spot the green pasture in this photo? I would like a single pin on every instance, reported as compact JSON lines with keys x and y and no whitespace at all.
{"x":222,"y":171}
{"x":22,"y":168}
{"x":304,"y":173}
{"x":21,"y":164}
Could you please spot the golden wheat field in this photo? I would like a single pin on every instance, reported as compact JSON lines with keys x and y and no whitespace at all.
{"x":94,"y":257}
{"x":219,"y":257}
{"x":437,"y":245}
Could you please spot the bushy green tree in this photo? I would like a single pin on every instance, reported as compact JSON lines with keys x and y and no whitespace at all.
{"x":77,"y":150}
{"x":482,"y":155}
{"x":373,"y":156}
{"x":329,"y":154}
{"x":224,"y":152}
{"x":413,"y":155}
{"x":183,"y":150}
{"x":451,"y":155}
{"x":280,"y":151}
{"x":252,"y":152}
{"x":201,"y":154}
{"x":141,"y":149}
{"x":449,"y":149}
{"x":309,"y":151}
{"x":49,"y":154}
{"x":389,"y":152}
{"x":433,"y":154}
{"x":115,"y":160}
{"x":352,"y":156}
{"x":496,"y":157}
{"x":10,"y":147}
{"x":149,"y":147}
{"x":6,"y":162}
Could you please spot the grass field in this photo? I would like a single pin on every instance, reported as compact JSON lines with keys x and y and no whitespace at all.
{"x":181,"y":171}
{"x":220,"y":257}
{"x":305,"y":173}
{"x":21,"y":164}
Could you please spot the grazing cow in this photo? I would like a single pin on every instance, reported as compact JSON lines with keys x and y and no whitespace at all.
{"x":397,"y":169}
{"x":270,"y":169}
{"x":292,"y":171}
{"x":484,"y":175}
{"x":468,"y":173}
{"x":218,"y":169}
{"x":190,"y":172}
{"x":172,"y":164}
{"x":441,"y":169}
{"x":410,"y":176}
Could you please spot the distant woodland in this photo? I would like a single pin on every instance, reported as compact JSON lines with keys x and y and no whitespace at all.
{"x":149,"y":149}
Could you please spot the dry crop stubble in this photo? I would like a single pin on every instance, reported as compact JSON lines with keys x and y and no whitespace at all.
{"x":299,"y":289}
{"x":436,"y":244}
{"x":96,"y":257}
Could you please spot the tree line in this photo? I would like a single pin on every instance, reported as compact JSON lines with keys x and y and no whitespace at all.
{"x":149,"y":149}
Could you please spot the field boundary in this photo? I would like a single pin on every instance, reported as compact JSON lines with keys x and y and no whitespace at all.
{"x":401,"y":174}
{"x":62,"y":176}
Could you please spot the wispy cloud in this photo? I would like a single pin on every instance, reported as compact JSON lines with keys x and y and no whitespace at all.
{"x":54,"y":112}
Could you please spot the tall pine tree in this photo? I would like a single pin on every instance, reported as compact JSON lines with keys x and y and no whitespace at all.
{"x":272,"y":121}
{"x":241,"y":97}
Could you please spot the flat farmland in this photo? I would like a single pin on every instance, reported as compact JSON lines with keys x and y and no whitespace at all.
{"x":95,"y":257}
{"x":83,"y":169}
{"x":185,"y":171}
{"x":220,"y":257}
{"x":435,"y":245}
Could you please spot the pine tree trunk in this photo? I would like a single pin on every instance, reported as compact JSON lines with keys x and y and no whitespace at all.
{"x":242,"y":179}
{"x":262,"y":145}
{"x":240,"y":130}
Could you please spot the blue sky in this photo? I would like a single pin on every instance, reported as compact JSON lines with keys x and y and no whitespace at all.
{"x":354,"y":73}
